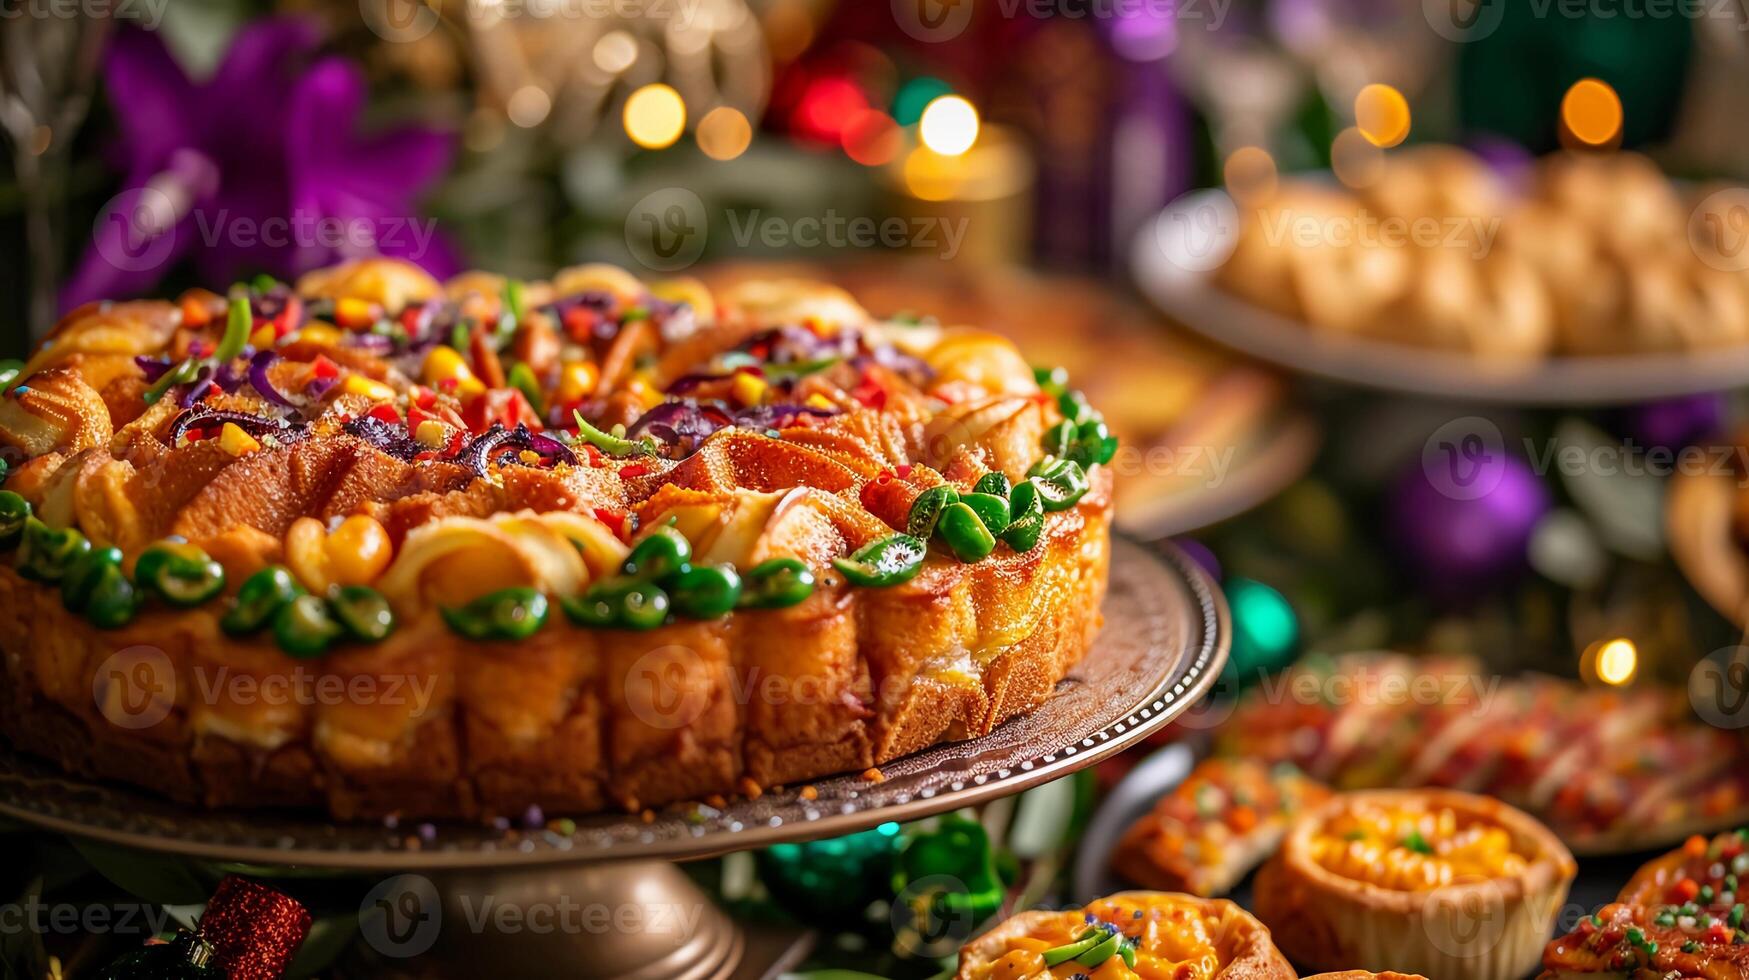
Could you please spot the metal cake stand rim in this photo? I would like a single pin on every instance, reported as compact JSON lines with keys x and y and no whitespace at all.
{"x":1183,"y":681}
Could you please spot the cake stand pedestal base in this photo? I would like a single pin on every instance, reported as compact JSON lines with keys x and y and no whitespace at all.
{"x":632,"y":920}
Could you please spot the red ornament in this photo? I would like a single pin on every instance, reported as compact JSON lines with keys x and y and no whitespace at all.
{"x":253,"y":929}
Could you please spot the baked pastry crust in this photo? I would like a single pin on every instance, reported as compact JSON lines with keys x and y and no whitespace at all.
{"x":1365,"y":975}
{"x":1181,"y":937}
{"x":570,"y":719}
{"x":1452,"y":903}
{"x":1223,"y":820}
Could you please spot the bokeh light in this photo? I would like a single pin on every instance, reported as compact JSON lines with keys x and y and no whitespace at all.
{"x":872,"y":138}
{"x":655,"y":116}
{"x":949,"y":125}
{"x":1617,"y":662}
{"x":724,"y":133}
{"x":615,"y":52}
{"x":1357,"y":161}
{"x":914,"y":96}
{"x":1250,"y":175}
{"x":1382,"y":115}
{"x":1591,"y":111}
{"x":826,"y":106}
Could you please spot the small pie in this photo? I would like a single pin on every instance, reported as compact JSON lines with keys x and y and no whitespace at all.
{"x":1680,"y":916}
{"x":1366,"y":975}
{"x":1437,"y":882}
{"x":1129,"y":936}
{"x":1215,"y":826}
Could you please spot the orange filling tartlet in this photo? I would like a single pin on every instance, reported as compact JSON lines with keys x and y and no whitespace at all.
{"x":1435,"y":882}
{"x":1129,"y":936}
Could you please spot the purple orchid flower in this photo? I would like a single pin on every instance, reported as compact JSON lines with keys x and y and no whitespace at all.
{"x":257,"y":168}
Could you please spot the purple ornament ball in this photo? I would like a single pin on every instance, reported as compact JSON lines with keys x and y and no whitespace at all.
{"x":1456,"y":547}
{"x":1674,"y":422}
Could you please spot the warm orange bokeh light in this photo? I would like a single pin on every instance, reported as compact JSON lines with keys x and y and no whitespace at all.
{"x":1382,"y":115}
{"x":724,"y":133}
{"x":872,"y":138}
{"x":1250,"y":175}
{"x":1591,"y":111}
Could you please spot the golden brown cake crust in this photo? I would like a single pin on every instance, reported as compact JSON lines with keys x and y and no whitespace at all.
{"x":570,"y":719}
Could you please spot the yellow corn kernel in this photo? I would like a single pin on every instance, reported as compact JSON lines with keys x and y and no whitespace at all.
{"x":320,"y":334}
{"x":235,"y":441}
{"x":358,"y":551}
{"x":432,"y":434}
{"x":264,"y":338}
{"x":358,"y":384}
{"x":577,"y":380}
{"x":306,"y":554}
{"x":446,"y":364}
{"x":354,"y":313}
{"x":817,"y":400}
{"x":749,"y":388}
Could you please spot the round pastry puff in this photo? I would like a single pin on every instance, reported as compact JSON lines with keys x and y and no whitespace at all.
{"x":1433,"y":913}
{"x":1365,"y":975}
{"x":1175,"y":937}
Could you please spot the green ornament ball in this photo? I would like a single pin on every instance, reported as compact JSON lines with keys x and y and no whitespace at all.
{"x":1266,"y":631}
{"x":832,"y":881}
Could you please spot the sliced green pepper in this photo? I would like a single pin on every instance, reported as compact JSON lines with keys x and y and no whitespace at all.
{"x":776,"y":583}
{"x":1051,"y":380}
{"x":112,"y":600}
{"x":508,"y":614}
{"x":1093,"y":443}
{"x":704,"y":591}
{"x":1074,"y":407}
{"x":642,"y":606}
{"x":304,"y":628}
{"x":1059,"y":439}
{"x":179,"y":573}
{"x":239,"y":322}
{"x":995,"y":483}
{"x":927,"y":508}
{"x":1088,"y":939}
{"x":181,"y":374}
{"x":1127,"y":950}
{"x":888,"y":561}
{"x":611,"y":444}
{"x":259,"y":598}
{"x":5,"y":469}
{"x":10,"y":369}
{"x":597,"y":607}
{"x":363,"y":612}
{"x":82,"y":573}
{"x":521,"y":377}
{"x":991,"y":509}
{"x":44,"y":553}
{"x":1026,"y":517}
{"x":1061,"y":482}
{"x":963,"y":531}
{"x":1102,"y":951}
{"x":663,"y":552}
{"x":14,"y":511}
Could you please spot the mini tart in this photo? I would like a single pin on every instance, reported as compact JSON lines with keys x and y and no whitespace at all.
{"x":1627,"y":942}
{"x":1172,"y":937}
{"x":1215,"y":826}
{"x":1442,"y":883}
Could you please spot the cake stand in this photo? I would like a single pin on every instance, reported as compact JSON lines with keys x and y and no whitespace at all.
{"x":607,"y":900}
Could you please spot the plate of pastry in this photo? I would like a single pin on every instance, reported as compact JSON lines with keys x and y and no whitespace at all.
{"x":378,"y":546}
{"x":1584,"y":279}
{"x":1706,"y":520}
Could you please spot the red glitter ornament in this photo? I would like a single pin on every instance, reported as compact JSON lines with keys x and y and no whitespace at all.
{"x":253,"y":929}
